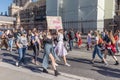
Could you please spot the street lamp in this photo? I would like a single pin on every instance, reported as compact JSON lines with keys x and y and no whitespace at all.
{"x":32,"y":19}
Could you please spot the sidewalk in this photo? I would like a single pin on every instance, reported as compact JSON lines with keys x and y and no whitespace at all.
{"x":10,"y":72}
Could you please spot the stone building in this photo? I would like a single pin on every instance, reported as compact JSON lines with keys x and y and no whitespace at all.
{"x":29,"y":13}
{"x":34,"y":15}
{"x":117,"y":16}
{"x":7,"y":22}
{"x":76,"y":14}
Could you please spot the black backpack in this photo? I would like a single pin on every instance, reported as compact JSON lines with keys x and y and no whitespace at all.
{"x":72,"y":35}
{"x":65,"y":37}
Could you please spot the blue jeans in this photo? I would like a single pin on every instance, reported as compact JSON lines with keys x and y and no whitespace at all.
{"x":21,"y":52}
{"x":48,"y":49}
{"x":10,"y":44}
{"x":97,"y":51}
{"x":71,"y":44}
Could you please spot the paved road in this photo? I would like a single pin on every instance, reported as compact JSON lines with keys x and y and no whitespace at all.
{"x":80,"y":65}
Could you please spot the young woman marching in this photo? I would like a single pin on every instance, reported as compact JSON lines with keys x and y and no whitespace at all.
{"x":97,"y":49}
{"x":110,"y":47}
{"x":10,"y":40}
{"x":48,"y":52}
{"x":79,"y":41}
{"x":60,"y":48}
{"x":22,"y":44}
{"x":35,"y":45}
{"x":89,"y":41}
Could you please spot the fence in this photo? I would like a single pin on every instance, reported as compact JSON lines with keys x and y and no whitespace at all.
{"x":84,"y":26}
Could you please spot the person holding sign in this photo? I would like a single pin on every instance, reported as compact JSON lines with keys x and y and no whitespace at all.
{"x":60,"y":48}
{"x":48,"y":52}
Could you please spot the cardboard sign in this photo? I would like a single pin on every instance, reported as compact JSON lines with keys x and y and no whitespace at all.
{"x":54,"y":22}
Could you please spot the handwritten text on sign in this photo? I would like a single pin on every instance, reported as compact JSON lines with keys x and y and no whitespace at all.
{"x":54,"y":22}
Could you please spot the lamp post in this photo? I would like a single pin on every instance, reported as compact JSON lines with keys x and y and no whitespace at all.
{"x":82,"y":29}
{"x":32,"y":19}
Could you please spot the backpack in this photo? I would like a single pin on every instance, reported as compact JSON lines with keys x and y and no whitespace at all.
{"x":72,"y":35}
{"x":65,"y":37}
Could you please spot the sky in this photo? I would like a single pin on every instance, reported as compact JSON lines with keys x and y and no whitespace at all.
{"x":4,"y":5}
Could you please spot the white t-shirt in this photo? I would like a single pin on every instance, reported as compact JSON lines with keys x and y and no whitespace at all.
{"x":22,"y":41}
{"x":96,"y":39}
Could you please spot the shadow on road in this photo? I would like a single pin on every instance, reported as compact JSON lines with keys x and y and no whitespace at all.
{"x":33,"y":68}
{"x":87,"y":61}
{"x":12,"y":58}
{"x":107,"y":71}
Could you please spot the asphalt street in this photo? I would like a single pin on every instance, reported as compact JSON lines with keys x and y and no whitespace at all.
{"x":79,"y":59}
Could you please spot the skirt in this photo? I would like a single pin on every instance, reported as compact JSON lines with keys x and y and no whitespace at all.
{"x":60,"y":49}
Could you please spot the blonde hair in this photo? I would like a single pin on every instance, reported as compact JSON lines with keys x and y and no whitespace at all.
{"x":111,"y":37}
{"x":97,"y":34}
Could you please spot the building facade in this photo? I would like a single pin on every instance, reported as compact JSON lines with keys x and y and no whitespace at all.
{"x":80,"y":15}
{"x":29,"y":13}
{"x":7,"y":22}
{"x":21,"y":3}
{"x":117,"y":15}
{"x":76,"y":14}
{"x":34,"y":15}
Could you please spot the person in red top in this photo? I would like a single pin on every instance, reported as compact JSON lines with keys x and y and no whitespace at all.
{"x":110,"y":47}
{"x":79,"y":41}
{"x":116,"y":37}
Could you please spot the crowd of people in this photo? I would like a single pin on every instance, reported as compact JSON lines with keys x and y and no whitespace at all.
{"x":57,"y":43}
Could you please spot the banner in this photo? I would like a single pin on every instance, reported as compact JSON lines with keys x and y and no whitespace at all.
{"x":54,"y":22}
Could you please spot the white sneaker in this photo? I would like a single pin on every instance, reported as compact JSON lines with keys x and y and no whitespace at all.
{"x":17,"y":64}
{"x":106,"y":64}
{"x":67,"y":64}
{"x":56,"y":64}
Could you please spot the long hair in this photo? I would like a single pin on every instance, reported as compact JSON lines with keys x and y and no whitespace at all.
{"x":111,"y":37}
{"x":97,"y":34}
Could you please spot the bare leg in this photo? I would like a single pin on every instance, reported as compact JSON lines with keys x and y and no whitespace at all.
{"x":56,"y":73}
{"x":53,"y":61}
{"x":114,"y":57}
{"x":64,"y":58}
{"x":65,"y":61}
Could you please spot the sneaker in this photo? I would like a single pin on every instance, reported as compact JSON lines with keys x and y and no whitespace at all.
{"x":56,"y":73}
{"x":17,"y":64}
{"x":106,"y":64}
{"x":67,"y":64}
{"x":37,"y":63}
{"x":8,"y":49}
{"x":56,"y":64}
{"x":45,"y":71}
{"x":33,"y":61}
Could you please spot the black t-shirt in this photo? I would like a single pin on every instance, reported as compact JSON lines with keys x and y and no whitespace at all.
{"x":48,"y":41}
{"x":10,"y":35}
{"x":107,"y":39}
